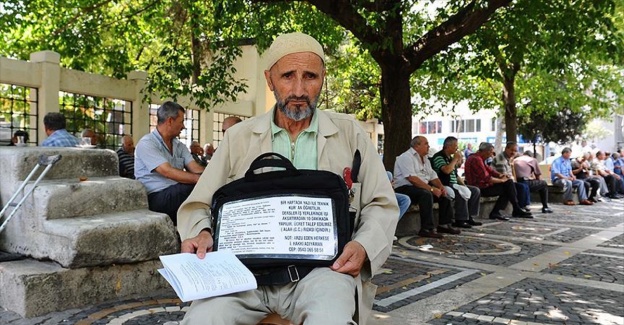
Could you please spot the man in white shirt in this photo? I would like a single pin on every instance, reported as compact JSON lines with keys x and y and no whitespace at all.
{"x":414,"y":177}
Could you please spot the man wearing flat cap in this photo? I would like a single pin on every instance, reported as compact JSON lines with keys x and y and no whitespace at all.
{"x":311,"y":139}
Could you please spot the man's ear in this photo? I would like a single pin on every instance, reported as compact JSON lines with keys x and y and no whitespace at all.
{"x":267,"y":76}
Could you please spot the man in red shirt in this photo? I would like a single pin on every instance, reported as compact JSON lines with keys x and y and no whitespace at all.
{"x":492,"y":183}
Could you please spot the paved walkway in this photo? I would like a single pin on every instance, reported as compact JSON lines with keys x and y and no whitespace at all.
{"x":560,"y":268}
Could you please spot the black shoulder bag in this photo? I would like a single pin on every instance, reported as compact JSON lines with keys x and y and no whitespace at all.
{"x":285,"y":217}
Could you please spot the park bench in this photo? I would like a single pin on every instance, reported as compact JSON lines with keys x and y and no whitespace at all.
{"x":410,"y":223}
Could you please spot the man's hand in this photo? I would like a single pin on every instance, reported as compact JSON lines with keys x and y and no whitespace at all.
{"x":436,"y":191}
{"x":199,"y":244}
{"x":351,"y":260}
{"x":458,"y":156}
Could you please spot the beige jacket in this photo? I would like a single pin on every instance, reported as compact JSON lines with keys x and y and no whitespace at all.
{"x":339,"y":137}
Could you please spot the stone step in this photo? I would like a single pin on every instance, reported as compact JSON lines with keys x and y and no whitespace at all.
{"x":114,"y":238}
{"x":32,"y":288}
{"x":59,"y":199}
{"x":18,"y":162}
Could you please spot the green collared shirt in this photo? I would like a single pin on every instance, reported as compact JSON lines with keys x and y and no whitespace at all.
{"x":299,"y":152}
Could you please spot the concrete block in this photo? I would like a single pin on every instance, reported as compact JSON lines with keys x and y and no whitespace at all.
{"x":410,"y":223}
{"x":32,"y":288}
{"x":18,"y":162}
{"x":125,"y":237}
{"x":57,"y":199}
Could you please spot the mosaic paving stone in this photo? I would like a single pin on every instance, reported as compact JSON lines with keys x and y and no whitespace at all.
{"x":133,"y":312}
{"x":593,"y":265}
{"x":541,"y":302}
{"x":535,"y":231}
{"x":405,"y":281}
{"x":615,"y":242}
{"x":599,"y":219}
{"x":477,"y":249}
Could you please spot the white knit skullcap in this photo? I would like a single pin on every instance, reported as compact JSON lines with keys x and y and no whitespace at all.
{"x":292,"y":43}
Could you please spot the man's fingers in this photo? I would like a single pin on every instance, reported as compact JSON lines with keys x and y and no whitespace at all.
{"x":187,"y":247}
{"x":203,"y":247}
{"x":199,"y":245}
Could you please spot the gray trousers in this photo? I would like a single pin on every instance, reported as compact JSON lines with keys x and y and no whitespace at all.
{"x":464,"y":209}
{"x":323,"y":297}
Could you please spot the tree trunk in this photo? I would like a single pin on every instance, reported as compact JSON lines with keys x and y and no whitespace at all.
{"x":509,"y":104}
{"x":396,"y":111}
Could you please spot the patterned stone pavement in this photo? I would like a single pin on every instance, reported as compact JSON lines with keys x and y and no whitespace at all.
{"x":561,"y":268}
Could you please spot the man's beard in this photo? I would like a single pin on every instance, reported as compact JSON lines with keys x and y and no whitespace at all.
{"x":301,"y":112}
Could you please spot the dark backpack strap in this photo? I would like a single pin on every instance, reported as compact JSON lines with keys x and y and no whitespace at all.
{"x":269,"y":159}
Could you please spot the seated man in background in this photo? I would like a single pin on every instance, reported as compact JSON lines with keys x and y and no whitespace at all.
{"x":198,"y":154}
{"x":164,"y":165}
{"x":502,"y":163}
{"x":20,"y":138}
{"x":402,"y":199}
{"x":580,"y":169}
{"x":229,"y":121}
{"x":445,"y":163}
{"x":614,"y":181}
{"x":54,"y":125}
{"x":618,"y":163}
{"x":209,"y":150}
{"x":414,"y":177}
{"x":88,"y":133}
{"x":125,"y":153}
{"x":561,"y":175}
{"x":528,"y":172}
{"x":492,"y":183}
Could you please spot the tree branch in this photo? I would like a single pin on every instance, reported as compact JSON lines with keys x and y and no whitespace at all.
{"x":344,"y":13}
{"x":465,"y":22}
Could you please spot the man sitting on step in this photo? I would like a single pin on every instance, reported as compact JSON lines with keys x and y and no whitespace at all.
{"x":164,"y":164}
{"x":492,"y":183}
{"x":561,"y":175}
{"x":414,"y":177}
{"x":527,"y":172}
{"x":445,"y":163}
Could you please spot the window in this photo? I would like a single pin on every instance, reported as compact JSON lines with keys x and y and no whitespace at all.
{"x":430,"y":127}
{"x":472,"y":125}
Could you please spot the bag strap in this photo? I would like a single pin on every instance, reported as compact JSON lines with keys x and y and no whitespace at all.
{"x":268,"y":159}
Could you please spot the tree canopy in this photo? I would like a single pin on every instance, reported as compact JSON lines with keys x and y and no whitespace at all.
{"x":384,"y":54}
{"x":537,"y":59}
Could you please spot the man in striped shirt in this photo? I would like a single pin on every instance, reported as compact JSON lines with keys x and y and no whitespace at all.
{"x":445,"y":163}
{"x":126,"y":157}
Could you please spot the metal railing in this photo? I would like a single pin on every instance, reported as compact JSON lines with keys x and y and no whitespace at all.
{"x":18,"y":111}
{"x":109,"y":118}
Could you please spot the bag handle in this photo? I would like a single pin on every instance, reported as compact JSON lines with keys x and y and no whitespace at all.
{"x":267,"y":159}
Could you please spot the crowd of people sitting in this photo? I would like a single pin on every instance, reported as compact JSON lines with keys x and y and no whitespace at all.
{"x":508,"y":175}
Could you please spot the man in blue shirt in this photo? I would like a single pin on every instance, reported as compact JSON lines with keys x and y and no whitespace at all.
{"x":164,"y":165}
{"x":561,"y":175}
{"x":54,"y":124}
